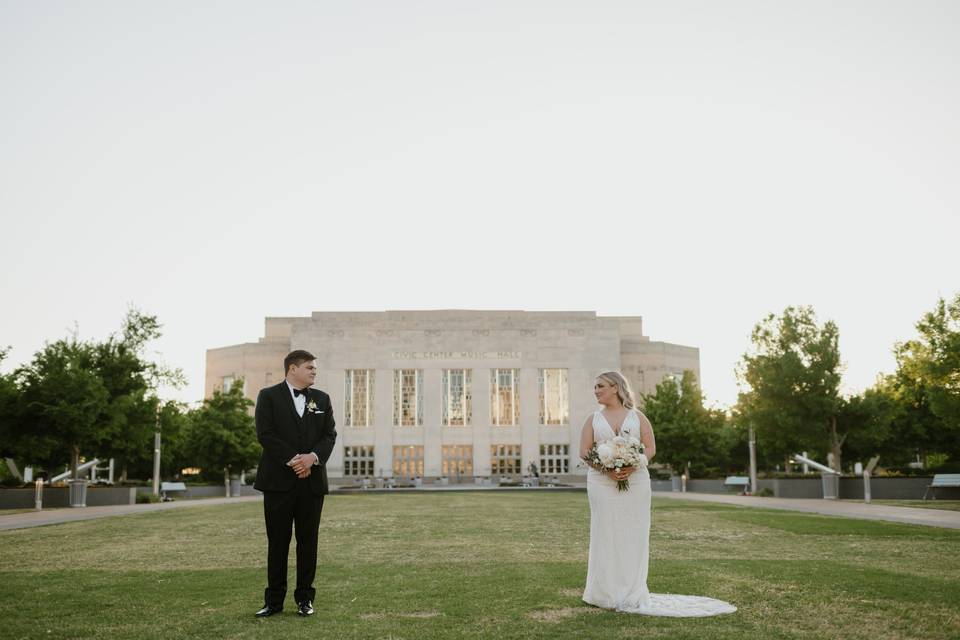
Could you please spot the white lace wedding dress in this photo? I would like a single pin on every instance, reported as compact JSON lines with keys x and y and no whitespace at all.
{"x":620,"y":543}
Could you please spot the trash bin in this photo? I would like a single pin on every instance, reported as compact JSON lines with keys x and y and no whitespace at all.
{"x":675,"y":484}
{"x":831,"y":485}
{"x":78,"y":493}
{"x":235,"y":489}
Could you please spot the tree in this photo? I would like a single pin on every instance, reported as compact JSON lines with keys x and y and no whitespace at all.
{"x":9,"y":415}
{"x":98,"y":397}
{"x":896,"y":422}
{"x":928,"y":371}
{"x":688,"y":434}
{"x":9,"y":403}
{"x":173,"y":417}
{"x":221,"y":433}
{"x":62,"y":400}
{"x":131,"y":381}
{"x":793,"y":377}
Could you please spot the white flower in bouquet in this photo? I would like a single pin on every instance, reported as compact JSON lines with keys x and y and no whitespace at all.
{"x":617,"y":453}
{"x":605,"y":453}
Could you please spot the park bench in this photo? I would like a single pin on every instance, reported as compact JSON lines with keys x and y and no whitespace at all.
{"x":740,"y":482}
{"x":166,"y":487}
{"x":940,"y":481}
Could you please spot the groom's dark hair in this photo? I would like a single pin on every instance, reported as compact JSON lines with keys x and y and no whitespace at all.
{"x":296,"y":358}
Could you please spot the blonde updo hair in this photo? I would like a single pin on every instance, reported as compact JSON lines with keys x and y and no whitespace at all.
{"x":624,"y":392}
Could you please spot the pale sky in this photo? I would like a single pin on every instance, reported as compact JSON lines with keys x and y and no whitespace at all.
{"x":700,"y":164}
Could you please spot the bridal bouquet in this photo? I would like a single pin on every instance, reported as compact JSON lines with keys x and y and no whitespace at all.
{"x":617,"y":453}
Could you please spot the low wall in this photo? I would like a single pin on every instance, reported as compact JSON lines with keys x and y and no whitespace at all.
{"x":892,"y":489}
{"x":707,"y":486}
{"x":98,"y":496}
{"x":54,"y":497}
{"x":204,"y":491}
{"x":661,"y":485}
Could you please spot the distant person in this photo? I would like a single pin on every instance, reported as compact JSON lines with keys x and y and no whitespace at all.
{"x":620,"y":520}
{"x":296,"y":429}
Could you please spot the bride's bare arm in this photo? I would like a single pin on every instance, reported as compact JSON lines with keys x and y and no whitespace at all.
{"x":646,"y":437}
{"x":586,"y":436}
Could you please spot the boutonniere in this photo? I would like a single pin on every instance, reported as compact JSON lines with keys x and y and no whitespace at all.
{"x":312,"y":406}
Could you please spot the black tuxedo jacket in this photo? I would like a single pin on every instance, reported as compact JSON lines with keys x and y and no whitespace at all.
{"x":283,"y":434}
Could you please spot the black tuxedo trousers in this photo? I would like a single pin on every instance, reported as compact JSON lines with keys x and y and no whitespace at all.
{"x":286,"y":512}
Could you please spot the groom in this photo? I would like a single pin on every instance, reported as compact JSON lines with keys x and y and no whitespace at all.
{"x":296,"y":429}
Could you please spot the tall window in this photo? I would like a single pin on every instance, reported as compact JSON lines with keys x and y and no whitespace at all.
{"x":408,"y":462}
{"x":505,"y":459}
{"x":554,"y":458}
{"x":554,"y":405}
{"x":457,"y":460}
{"x":358,"y":397}
{"x":457,"y":402}
{"x":505,"y":396}
{"x":408,"y":397}
{"x":358,"y":461}
{"x":677,"y":378}
{"x":228,"y":381}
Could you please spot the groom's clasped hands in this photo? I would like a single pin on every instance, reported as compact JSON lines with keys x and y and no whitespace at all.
{"x":302,"y":463}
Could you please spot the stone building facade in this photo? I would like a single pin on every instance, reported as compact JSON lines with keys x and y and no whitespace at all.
{"x":455,"y":393}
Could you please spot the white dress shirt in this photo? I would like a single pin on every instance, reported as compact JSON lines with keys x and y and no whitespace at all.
{"x":300,"y":402}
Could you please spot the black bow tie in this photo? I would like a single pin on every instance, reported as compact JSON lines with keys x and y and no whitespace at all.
{"x":301,"y":392}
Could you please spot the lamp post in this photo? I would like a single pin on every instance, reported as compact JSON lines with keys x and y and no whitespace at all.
{"x":156,"y":456}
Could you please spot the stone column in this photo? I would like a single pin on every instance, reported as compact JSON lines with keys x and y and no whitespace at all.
{"x":383,"y":423}
{"x":333,"y":386}
{"x":529,"y":418}
{"x":581,"y":404}
{"x":432,"y":415}
{"x":481,"y":424}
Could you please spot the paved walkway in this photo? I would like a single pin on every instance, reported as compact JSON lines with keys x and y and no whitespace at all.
{"x":842,"y":508}
{"x":58,"y":516}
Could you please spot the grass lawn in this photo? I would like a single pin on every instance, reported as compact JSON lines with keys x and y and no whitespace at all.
{"x":477,"y":565}
{"x":947,"y":505}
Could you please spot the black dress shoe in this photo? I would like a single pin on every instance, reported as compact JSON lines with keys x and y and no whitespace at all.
{"x":268,"y":610}
{"x":305,"y":608}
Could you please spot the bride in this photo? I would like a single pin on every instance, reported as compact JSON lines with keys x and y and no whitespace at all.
{"x":620,"y":521}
